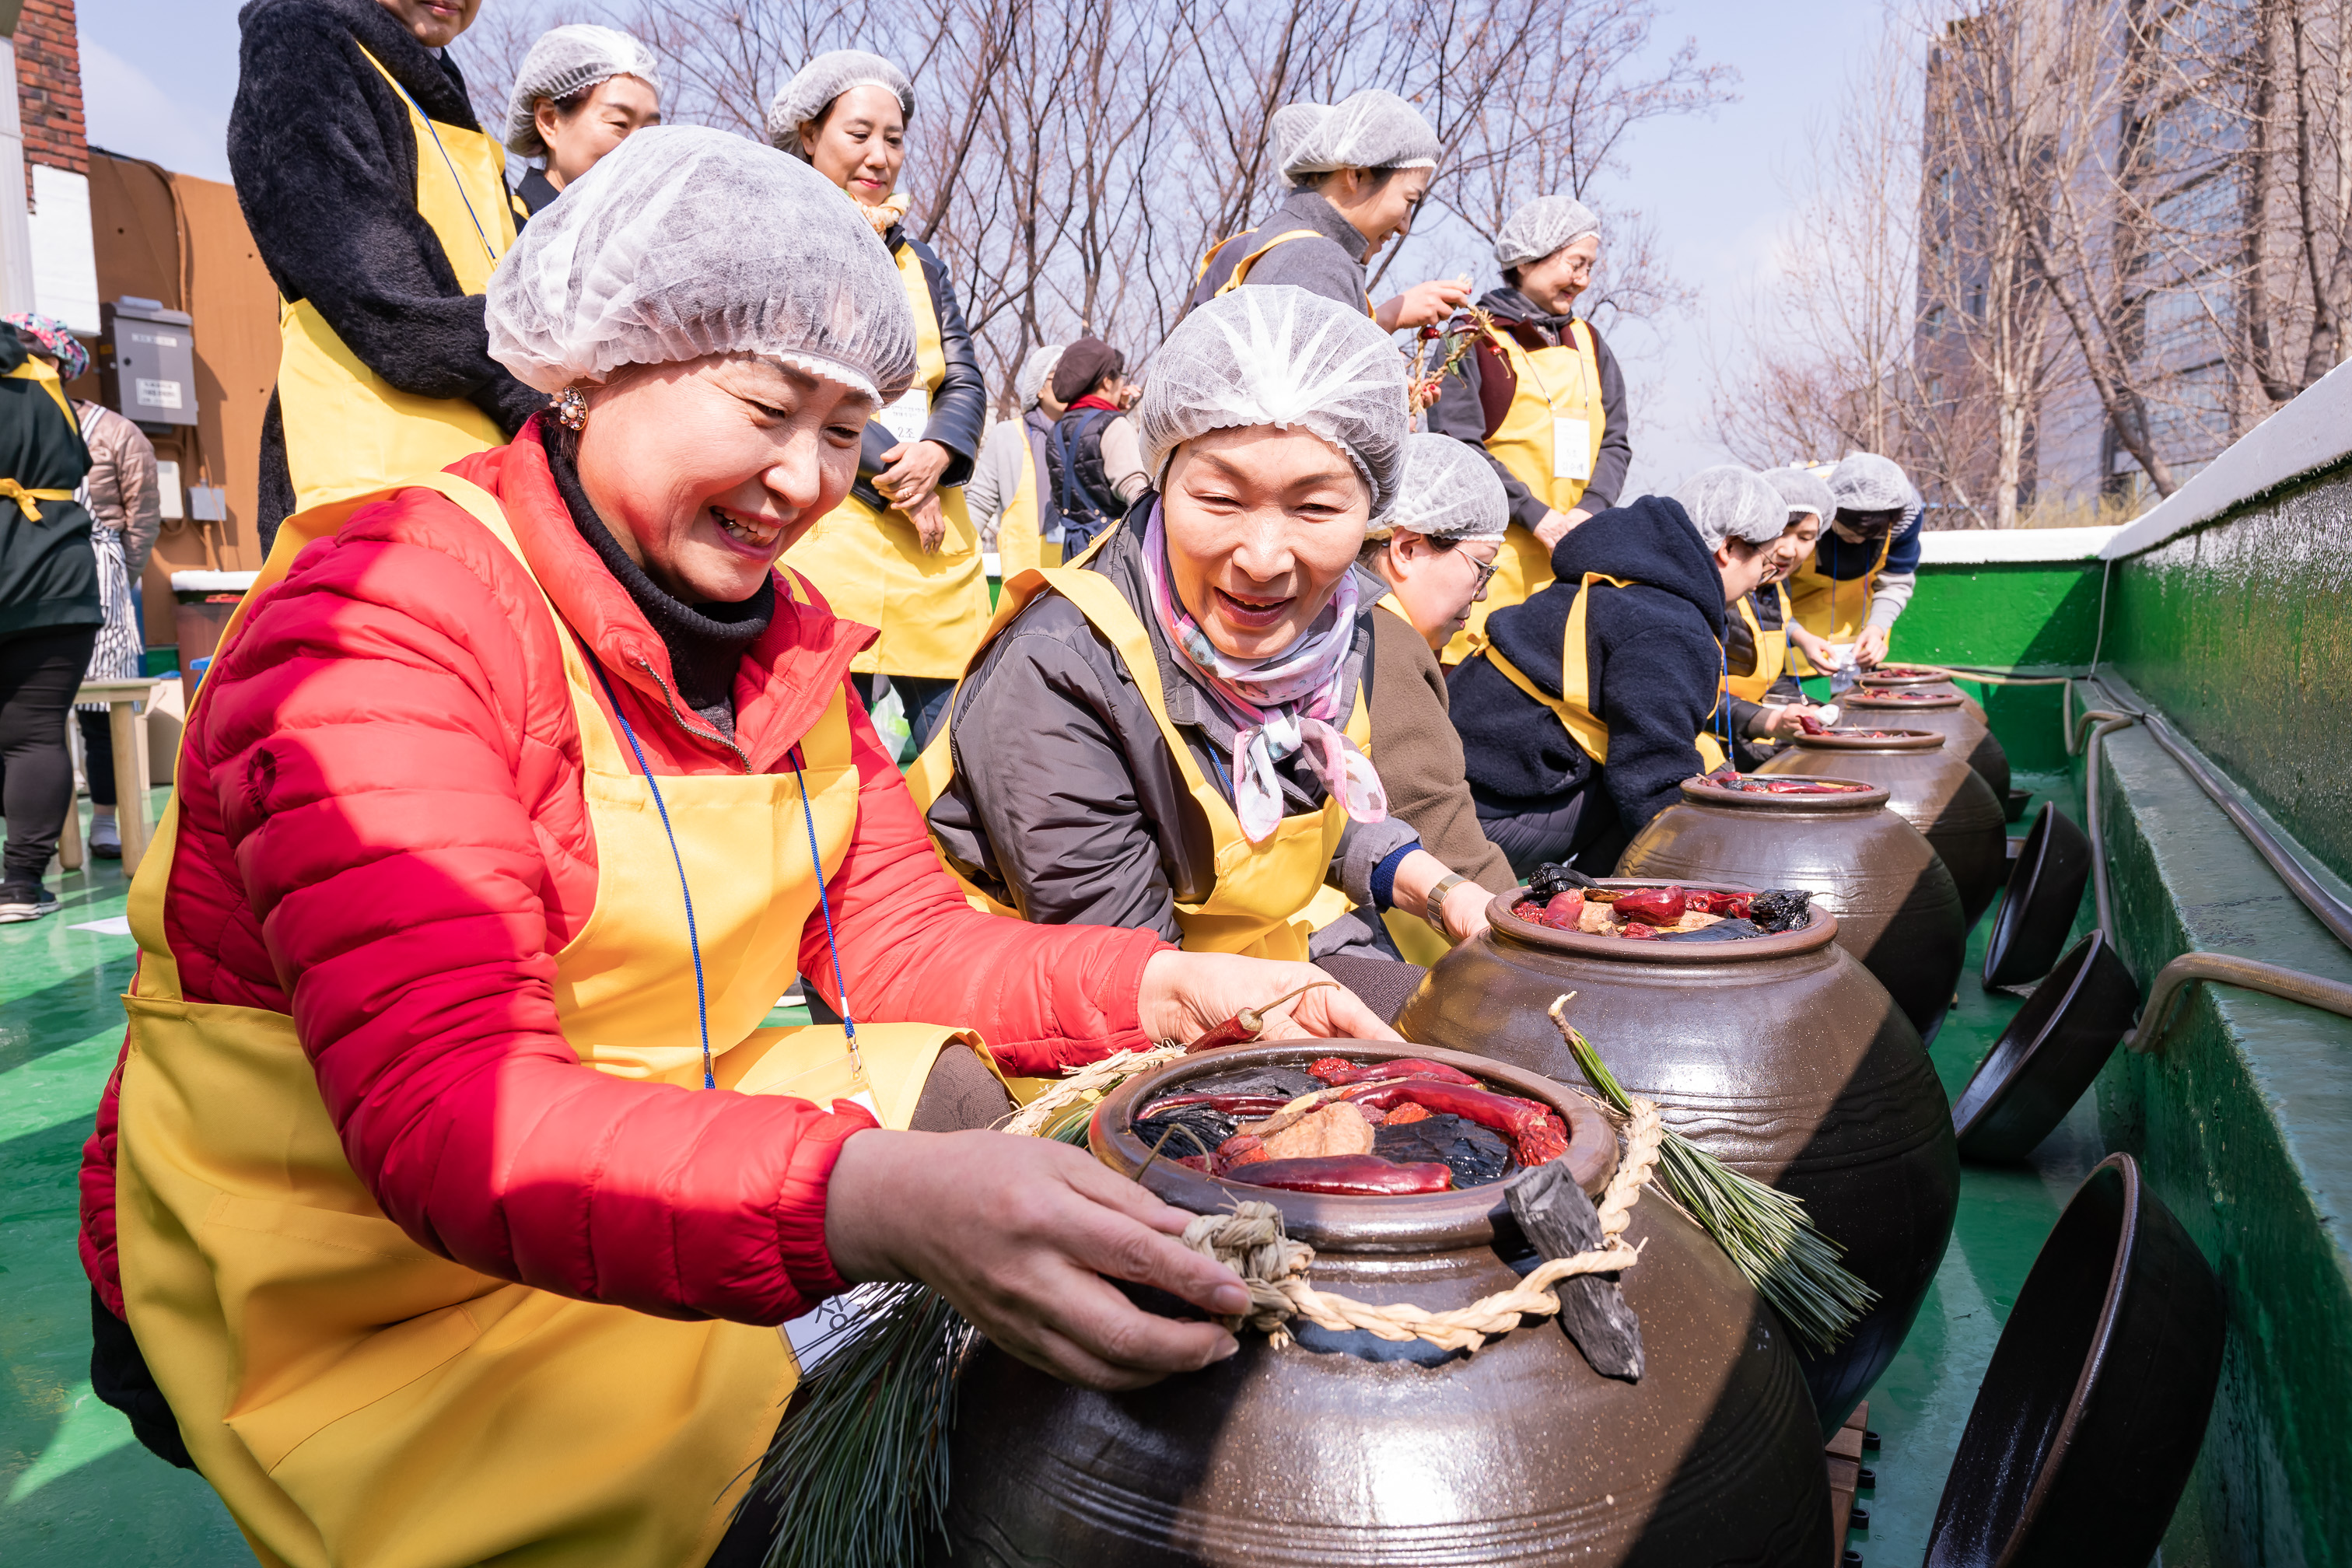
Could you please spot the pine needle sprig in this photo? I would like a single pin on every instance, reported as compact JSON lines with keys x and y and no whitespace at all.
{"x":1766,"y":1233}
{"x":860,"y":1464}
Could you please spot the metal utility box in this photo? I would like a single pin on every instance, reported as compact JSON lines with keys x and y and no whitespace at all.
{"x":147,"y":363}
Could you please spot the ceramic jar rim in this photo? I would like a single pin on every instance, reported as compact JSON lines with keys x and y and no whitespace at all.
{"x":1868,"y":797}
{"x":1818,"y":932}
{"x":1935,"y":702}
{"x":1924,"y":677}
{"x":1407,"y":1223}
{"x":1891,"y":740}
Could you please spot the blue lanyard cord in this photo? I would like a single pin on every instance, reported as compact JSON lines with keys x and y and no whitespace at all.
{"x":479,"y":232}
{"x":701,"y":1000}
{"x":825,"y":906}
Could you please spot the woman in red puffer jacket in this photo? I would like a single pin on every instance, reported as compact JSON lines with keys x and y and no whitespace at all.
{"x":450,"y":1186}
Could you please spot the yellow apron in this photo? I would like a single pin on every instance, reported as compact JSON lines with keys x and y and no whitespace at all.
{"x":871,"y":565}
{"x":1829,"y":608}
{"x":1240,"y":274}
{"x":1557,"y":387}
{"x":348,"y":431}
{"x":1020,"y":528}
{"x":26,"y":497}
{"x":1771,"y":650}
{"x":1574,"y":709}
{"x":1269,"y":898}
{"x":358,"y":1400}
{"x":1413,"y":935}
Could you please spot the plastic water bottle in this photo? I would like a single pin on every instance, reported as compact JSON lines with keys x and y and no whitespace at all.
{"x":1842,"y":678}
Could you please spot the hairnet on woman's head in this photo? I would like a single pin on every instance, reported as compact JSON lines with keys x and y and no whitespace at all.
{"x":1804,"y":490}
{"x":1542,"y":227}
{"x":566,"y":60}
{"x":1731,"y":502}
{"x":1449,"y":490}
{"x":1864,"y":481}
{"x":821,"y":81}
{"x":1287,"y":127}
{"x":645,"y":261}
{"x":1367,"y":130}
{"x":1036,"y":372}
{"x":1276,"y":354}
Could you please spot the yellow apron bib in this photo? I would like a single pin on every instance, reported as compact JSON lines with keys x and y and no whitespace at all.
{"x":348,"y":431}
{"x":1829,"y":608}
{"x":871,"y":565}
{"x":1574,"y":710}
{"x":1240,"y":274}
{"x":1771,"y":650}
{"x":357,"y":1400}
{"x":1557,"y":386}
{"x":1020,"y":529}
{"x":1270,"y":897}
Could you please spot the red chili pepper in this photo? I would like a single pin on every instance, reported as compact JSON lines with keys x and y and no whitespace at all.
{"x":1242,"y":1105}
{"x":1366,"y":1176}
{"x":1336,"y":1069}
{"x":1241,"y":1149}
{"x":1810,"y":725}
{"x":1653,"y":906}
{"x":1540,"y":1135}
{"x":1638,"y":932}
{"x":1248,"y":1024}
{"x":1733,"y":906}
{"x":1566,"y":911}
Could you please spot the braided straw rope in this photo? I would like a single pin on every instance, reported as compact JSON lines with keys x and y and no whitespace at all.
{"x":1095,"y":1079}
{"x":1251,"y":1242}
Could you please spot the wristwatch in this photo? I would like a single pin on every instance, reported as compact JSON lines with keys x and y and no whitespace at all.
{"x":1432,"y":909}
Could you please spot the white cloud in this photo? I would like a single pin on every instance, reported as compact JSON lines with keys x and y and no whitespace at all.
{"x":127,"y":114}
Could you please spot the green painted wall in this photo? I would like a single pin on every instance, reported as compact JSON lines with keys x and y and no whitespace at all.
{"x":2241,"y":633}
{"x":2027,"y":616}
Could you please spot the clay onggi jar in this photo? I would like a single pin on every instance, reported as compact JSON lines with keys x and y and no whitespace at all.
{"x":1909,"y":677}
{"x":1779,"y":1055}
{"x":1947,"y":713}
{"x":1948,"y":801}
{"x":1345,"y":1449}
{"x":1897,"y":908}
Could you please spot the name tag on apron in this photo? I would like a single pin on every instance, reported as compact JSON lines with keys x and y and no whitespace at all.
{"x":1571,"y":450}
{"x":906,"y":419}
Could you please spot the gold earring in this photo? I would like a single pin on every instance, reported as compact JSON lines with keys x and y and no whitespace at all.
{"x":571,"y":410}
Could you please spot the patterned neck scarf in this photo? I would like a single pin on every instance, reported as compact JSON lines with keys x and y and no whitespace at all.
{"x":1283,"y":706}
{"x":892,"y":209}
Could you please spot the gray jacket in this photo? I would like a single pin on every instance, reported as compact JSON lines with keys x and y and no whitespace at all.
{"x":1333,"y":270}
{"x":1067,"y":803}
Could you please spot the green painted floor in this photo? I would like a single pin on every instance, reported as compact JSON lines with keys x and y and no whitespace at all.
{"x":75,"y":1488}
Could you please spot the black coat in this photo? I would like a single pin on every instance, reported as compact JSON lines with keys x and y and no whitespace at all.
{"x":959,"y":409}
{"x":325,"y":164}
{"x":1461,"y":408}
{"x":48,"y":573}
{"x":1654,"y":652}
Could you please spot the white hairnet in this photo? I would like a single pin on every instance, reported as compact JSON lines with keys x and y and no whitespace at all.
{"x":645,"y":261}
{"x":1731,"y":503}
{"x":1030,"y":380}
{"x":1276,"y":354}
{"x":566,"y":60}
{"x":1367,"y":130}
{"x":1449,"y":490}
{"x":1542,"y":227}
{"x":1287,"y":127}
{"x":1804,"y":490}
{"x":1864,"y":481}
{"x":821,"y":81}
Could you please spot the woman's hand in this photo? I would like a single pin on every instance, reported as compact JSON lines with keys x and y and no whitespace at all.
{"x":1816,"y":649}
{"x":1019,"y":1234}
{"x":1423,"y":304}
{"x":1786,"y":722}
{"x":1558,"y":525}
{"x":913,"y":474}
{"x":1465,"y":907}
{"x":1870,"y":648}
{"x":1187,"y":993}
{"x":930,"y":522}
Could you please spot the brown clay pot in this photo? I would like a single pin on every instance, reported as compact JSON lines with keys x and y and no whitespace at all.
{"x":1901,"y":678}
{"x":1898,"y":910}
{"x":1779,"y":1055}
{"x":1947,"y":713}
{"x":1342,"y":1448}
{"x":1927,"y":787}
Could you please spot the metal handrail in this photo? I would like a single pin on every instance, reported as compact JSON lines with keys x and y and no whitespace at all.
{"x":2252,"y":974}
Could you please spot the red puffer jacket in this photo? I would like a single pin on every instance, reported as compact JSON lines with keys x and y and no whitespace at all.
{"x":383,"y":833}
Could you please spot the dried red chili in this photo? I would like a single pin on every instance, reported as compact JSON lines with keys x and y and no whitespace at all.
{"x":1338,"y":1070}
{"x":1653,"y":906}
{"x":1366,"y":1176}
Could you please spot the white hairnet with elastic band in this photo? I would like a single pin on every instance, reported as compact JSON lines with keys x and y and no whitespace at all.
{"x":644,"y":262}
{"x":1542,"y":227}
{"x":1278,"y":355}
{"x":1864,"y":481}
{"x":1036,"y":370}
{"x":1804,"y":490}
{"x":1731,"y":502}
{"x":1287,"y":127}
{"x":1449,"y":490}
{"x":566,"y":60}
{"x":824,"y":78}
{"x":1367,"y":130}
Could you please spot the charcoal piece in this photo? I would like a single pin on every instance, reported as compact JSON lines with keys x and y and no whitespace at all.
{"x":1783,"y":908}
{"x":1560,"y":1221}
{"x":1288,"y":1082}
{"x":1197,"y":1129}
{"x":1721,"y":931}
{"x":1475,"y":1155}
{"x":1551,"y":881}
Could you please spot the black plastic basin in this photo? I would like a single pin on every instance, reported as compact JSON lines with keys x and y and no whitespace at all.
{"x":2048,"y":1054}
{"x":2036,"y":911}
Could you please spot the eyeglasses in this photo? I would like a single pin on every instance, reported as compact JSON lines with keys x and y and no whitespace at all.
{"x":1486,"y":572}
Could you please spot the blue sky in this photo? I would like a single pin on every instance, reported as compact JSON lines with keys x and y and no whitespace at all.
{"x":159,"y":75}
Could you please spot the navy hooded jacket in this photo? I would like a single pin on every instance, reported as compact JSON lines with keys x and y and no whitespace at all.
{"x":1656,"y":654}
